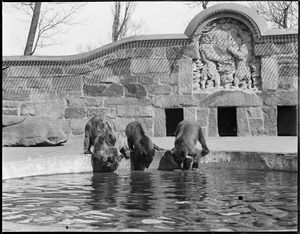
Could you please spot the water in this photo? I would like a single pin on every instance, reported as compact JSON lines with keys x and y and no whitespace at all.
{"x":198,"y":200}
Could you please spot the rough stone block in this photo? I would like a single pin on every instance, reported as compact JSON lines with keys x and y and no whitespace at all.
{"x":231,"y":98}
{"x":69,"y":93}
{"x":243,"y":128}
{"x":101,"y":75}
{"x":200,"y":96}
{"x":254,"y":112}
{"x":186,"y":76}
{"x":85,"y":101}
{"x":159,"y":122}
{"x":51,"y":108}
{"x":149,"y":65}
{"x":23,"y":71}
{"x":114,"y":90}
{"x":32,"y":131}
{"x":135,"y":90}
{"x":202,"y":116}
{"x":119,"y":66}
{"x":10,"y":111}
{"x":288,"y":70}
{"x":102,"y":79}
{"x":16,"y":95}
{"x":174,"y":52}
{"x":128,"y":79}
{"x":67,"y":83}
{"x":140,"y":52}
{"x":159,"y":52}
{"x":288,"y":83}
{"x":269,"y":73}
{"x":150,"y":78}
{"x":270,"y":120}
{"x":43,"y":95}
{"x":14,"y":83}
{"x":94,"y":90}
{"x":75,"y":113}
{"x":170,"y":79}
{"x":280,"y":98}
{"x":77,"y":69}
{"x":147,"y":123}
{"x":39,"y":83}
{"x":10,"y":104}
{"x":256,"y":126}
{"x":213,"y":123}
{"x":109,"y":112}
{"x":190,"y":113}
{"x":51,"y":70}
{"x":126,"y":101}
{"x":285,"y":48}
{"x":157,"y":89}
{"x":129,"y":111}
{"x":172,"y":101}
{"x":266,"y":49}
{"x":109,"y":90}
{"x":78,"y":126}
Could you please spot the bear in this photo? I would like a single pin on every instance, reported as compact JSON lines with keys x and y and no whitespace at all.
{"x":187,"y":133}
{"x":108,"y":149}
{"x":141,"y":146}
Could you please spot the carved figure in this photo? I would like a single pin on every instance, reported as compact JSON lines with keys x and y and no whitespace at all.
{"x":226,"y":50}
{"x":209,"y":55}
{"x":242,"y":74}
{"x":255,"y":73}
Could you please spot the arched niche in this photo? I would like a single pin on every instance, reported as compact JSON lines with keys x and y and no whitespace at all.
{"x":225,"y":35}
{"x":247,"y":16}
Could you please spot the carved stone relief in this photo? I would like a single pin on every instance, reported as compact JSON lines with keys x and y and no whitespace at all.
{"x":226,"y":57}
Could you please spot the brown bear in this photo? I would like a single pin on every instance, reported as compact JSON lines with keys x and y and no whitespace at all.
{"x":141,"y":146}
{"x":187,"y":134}
{"x":107,"y":150}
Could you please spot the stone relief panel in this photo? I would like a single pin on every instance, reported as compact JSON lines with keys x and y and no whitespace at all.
{"x":226,"y":58}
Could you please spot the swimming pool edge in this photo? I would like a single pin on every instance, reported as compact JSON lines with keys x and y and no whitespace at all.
{"x":78,"y":163}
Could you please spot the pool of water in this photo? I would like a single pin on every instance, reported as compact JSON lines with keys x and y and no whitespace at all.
{"x":198,"y":200}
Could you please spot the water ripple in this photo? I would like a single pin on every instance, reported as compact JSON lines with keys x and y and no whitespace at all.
{"x":210,"y":200}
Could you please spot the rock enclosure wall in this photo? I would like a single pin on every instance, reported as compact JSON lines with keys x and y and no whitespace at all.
{"x":225,"y":67}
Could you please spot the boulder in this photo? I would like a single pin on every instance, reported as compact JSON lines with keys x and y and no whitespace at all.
{"x":167,"y":162}
{"x":33,"y":131}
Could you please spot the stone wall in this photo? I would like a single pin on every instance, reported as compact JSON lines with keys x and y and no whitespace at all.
{"x":138,"y":78}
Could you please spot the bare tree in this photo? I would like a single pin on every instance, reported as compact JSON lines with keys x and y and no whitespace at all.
{"x":123,"y":24}
{"x":281,"y":14}
{"x":47,"y":19}
{"x":203,"y":4}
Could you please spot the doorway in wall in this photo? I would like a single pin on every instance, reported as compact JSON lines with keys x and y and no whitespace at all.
{"x":227,"y":124}
{"x":287,"y":120}
{"x":173,"y":118}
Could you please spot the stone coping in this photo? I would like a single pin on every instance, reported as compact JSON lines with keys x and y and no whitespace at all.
{"x":79,"y":163}
{"x":153,"y":37}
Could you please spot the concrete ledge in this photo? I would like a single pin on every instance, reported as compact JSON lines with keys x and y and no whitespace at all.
{"x":47,"y":166}
{"x":251,"y":161}
{"x":215,"y":159}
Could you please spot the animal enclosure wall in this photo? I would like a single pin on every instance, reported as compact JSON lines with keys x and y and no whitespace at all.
{"x":226,"y":58}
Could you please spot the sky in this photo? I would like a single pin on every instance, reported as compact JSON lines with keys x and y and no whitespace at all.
{"x":165,"y":17}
